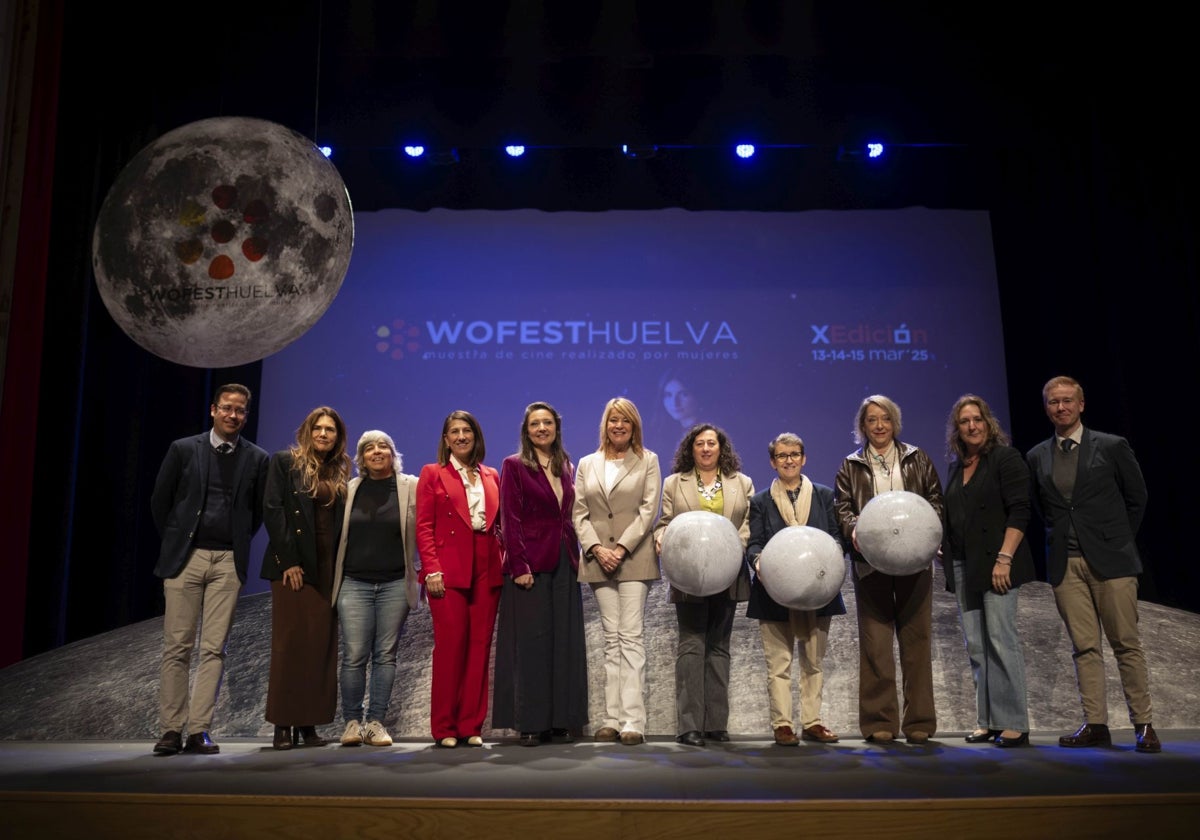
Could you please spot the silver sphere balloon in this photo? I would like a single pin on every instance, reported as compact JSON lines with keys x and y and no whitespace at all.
{"x":802,"y":568}
{"x":899,"y":532}
{"x":701,"y":553}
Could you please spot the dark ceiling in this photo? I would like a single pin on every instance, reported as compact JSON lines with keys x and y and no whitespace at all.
{"x":951,"y":84}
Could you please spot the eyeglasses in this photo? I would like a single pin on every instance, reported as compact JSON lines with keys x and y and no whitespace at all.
{"x":233,"y":409}
{"x":788,"y":456}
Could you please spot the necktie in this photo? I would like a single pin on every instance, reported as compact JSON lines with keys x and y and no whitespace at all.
{"x":225,"y":448}
{"x":1067,"y":445}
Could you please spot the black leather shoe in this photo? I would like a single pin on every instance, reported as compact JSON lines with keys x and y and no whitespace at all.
{"x":530,"y":739}
{"x":1088,"y":735}
{"x":717,"y":735}
{"x":202,"y":744}
{"x":1147,"y":739}
{"x":169,"y":744}
{"x":980,"y":737}
{"x":562,"y":736}
{"x":692,"y":739}
{"x":283,"y":738}
{"x":307,"y":734}
{"x":1021,"y":740}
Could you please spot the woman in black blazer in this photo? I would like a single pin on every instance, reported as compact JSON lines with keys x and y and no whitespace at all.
{"x":303,"y":512}
{"x":986,"y":559}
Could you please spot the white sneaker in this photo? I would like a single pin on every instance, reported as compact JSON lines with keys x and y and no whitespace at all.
{"x":374,"y":735}
{"x":353,"y":736}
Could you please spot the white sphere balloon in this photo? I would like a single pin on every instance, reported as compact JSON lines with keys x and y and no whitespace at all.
{"x":899,"y":532}
{"x":701,"y":553}
{"x":802,"y":568}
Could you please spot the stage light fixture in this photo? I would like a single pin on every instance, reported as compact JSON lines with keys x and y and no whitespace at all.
{"x":872,"y":152}
{"x":414,"y":151}
{"x":325,"y":150}
{"x":744,"y":150}
{"x":639,"y":152}
{"x":514,"y":150}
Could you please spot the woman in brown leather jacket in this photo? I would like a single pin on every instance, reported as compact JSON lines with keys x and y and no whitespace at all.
{"x":889,"y":606}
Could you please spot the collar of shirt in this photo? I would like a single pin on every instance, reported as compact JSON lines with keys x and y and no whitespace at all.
{"x":1076,"y":436}
{"x":215,"y":440}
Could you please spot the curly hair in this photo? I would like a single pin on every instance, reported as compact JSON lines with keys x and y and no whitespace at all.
{"x":315,"y":469}
{"x":995,"y":435}
{"x":685,"y":460}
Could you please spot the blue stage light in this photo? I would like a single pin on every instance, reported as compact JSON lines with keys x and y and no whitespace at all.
{"x":326,"y":150}
{"x":874,"y":150}
{"x":514,"y":151}
{"x":414,"y":151}
{"x":744,"y":150}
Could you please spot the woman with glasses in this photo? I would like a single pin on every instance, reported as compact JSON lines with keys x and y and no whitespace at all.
{"x":792,"y":499}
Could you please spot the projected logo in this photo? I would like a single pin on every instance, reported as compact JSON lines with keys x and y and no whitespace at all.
{"x":398,"y":339}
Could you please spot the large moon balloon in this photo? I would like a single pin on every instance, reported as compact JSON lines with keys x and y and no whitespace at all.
{"x":899,"y":532}
{"x":222,"y":242}
{"x":802,"y":568}
{"x":701,"y":552}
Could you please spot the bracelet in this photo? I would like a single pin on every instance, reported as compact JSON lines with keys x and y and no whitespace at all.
{"x":433,"y":574}
{"x":1004,"y":554}
{"x":1000,"y":562}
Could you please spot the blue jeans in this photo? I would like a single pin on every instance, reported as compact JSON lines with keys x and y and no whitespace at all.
{"x":371,"y":616}
{"x":994,"y":648}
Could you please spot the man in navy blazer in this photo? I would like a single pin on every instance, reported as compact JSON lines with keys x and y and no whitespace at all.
{"x":1091,"y":494}
{"x":207,"y":504}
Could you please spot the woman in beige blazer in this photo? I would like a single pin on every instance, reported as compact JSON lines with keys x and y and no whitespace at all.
{"x":706,"y":477}
{"x":616,"y":499}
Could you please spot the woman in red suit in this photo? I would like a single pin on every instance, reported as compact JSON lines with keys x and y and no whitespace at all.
{"x":458,"y":499}
{"x":541,"y":661}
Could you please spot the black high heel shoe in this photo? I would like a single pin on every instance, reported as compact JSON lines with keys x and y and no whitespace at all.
{"x":980,"y":737}
{"x":309,"y":735}
{"x":283,"y":738}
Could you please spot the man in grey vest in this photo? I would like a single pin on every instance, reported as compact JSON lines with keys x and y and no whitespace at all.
{"x":1090,"y":492}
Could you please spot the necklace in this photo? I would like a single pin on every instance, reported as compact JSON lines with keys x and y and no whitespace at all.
{"x":711,"y":491}
{"x":881,"y":460}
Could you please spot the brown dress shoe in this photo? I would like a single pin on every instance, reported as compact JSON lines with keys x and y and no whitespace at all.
{"x":1147,"y":739}
{"x":202,"y":744}
{"x":607,"y":734}
{"x":631,"y":739}
{"x":169,"y":744}
{"x":818,"y":732}
{"x":1088,"y":735}
{"x":785,"y":736}
{"x":881,"y":737}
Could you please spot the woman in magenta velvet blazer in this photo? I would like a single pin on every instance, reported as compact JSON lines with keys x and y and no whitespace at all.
{"x":458,"y":501}
{"x":541,"y":662}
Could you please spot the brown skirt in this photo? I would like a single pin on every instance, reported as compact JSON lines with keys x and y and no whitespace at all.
{"x":302,"y":690}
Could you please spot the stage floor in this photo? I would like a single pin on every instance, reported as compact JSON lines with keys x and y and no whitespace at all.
{"x":745,"y":769}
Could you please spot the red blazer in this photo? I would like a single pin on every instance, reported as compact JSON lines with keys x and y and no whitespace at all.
{"x":445,"y":541}
{"x":534,"y":525}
